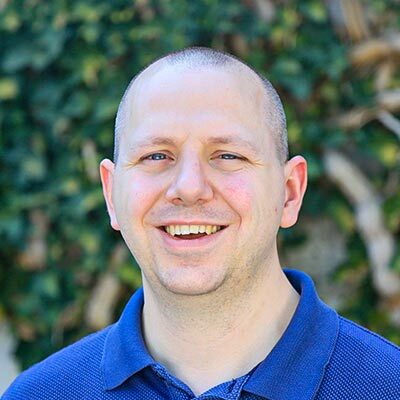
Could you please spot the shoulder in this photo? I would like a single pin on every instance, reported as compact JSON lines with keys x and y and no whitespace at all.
{"x":363,"y":365}
{"x":73,"y":372}
{"x":365,"y":338}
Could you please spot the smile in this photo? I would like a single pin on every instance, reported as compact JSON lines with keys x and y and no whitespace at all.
{"x":192,"y":231}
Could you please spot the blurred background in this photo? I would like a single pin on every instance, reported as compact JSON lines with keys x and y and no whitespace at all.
{"x":64,"y":66}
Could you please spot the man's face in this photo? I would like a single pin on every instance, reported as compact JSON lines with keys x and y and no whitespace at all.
{"x":196,"y":152}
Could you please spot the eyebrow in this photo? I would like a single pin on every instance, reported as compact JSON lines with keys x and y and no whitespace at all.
{"x":155,"y":141}
{"x":230,"y":140}
{"x":233,"y":140}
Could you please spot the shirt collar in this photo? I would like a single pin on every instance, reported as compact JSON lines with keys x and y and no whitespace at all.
{"x":125,"y":352}
{"x":295,"y":365}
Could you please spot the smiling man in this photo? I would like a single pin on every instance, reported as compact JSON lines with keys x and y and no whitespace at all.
{"x":199,"y":187}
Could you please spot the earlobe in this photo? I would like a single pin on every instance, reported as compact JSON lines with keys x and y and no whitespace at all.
{"x":107,"y":177}
{"x":295,"y":188}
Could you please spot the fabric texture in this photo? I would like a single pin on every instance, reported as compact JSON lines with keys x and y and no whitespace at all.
{"x":321,"y":355}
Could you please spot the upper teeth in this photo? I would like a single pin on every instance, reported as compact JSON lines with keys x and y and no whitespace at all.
{"x":188,"y":229}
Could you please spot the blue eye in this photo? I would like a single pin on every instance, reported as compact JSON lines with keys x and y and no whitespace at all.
{"x":156,"y":157}
{"x":228,"y":156}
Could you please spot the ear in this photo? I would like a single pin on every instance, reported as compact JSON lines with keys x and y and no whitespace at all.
{"x":107,"y":177}
{"x":295,"y":187}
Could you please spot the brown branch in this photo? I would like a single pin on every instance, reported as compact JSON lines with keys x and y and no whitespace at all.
{"x":389,"y":100}
{"x":356,"y":22}
{"x":390,"y":122}
{"x":355,"y":118}
{"x":378,"y":240}
{"x":105,"y":294}
{"x":371,"y":52}
{"x":386,"y":102}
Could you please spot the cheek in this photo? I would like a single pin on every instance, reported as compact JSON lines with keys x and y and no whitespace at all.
{"x":252,"y":199}
{"x":239,"y":194}
{"x":136,"y":195}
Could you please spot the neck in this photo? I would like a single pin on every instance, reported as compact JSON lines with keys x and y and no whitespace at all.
{"x":206,"y":340}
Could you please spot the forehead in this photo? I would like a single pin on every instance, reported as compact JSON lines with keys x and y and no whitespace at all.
{"x":171,"y":98}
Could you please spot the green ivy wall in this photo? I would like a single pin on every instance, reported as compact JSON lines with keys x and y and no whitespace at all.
{"x":63,"y":68}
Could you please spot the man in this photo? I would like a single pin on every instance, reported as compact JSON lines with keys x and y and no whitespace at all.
{"x":200,"y":184}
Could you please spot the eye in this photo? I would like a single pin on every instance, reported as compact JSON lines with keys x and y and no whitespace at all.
{"x":155,"y":157}
{"x":229,"y":156}
{"x":228,"y":161}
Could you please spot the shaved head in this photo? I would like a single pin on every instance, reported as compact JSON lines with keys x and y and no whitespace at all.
{"x":196,"y":58}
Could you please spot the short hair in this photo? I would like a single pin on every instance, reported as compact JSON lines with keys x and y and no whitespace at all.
{"x":195,"y":57}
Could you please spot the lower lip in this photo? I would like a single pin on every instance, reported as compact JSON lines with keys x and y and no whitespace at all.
{"x":182,"y":244}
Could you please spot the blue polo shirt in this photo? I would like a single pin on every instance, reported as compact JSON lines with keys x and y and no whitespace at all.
{"x":320,"y":356}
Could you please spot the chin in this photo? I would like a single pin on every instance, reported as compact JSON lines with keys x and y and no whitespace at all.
{"x":190,"y":283}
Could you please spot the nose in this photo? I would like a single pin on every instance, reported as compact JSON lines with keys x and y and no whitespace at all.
{"x":190,"y":184}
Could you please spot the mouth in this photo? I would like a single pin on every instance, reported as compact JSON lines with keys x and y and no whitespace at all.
{"x":190,"y":232}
